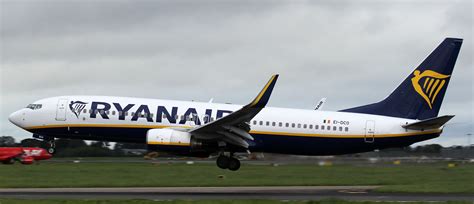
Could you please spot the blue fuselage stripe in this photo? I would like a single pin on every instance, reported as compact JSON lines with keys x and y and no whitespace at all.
{"x":263,"y":142}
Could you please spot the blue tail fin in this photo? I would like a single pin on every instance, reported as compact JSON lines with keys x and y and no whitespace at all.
{"x":421,"y":94}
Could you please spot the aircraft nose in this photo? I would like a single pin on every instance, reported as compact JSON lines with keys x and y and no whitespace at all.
{"x":16,"y":118}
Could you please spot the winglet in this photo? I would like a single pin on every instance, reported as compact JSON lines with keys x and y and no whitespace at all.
{"x":262,"y":98}
{"x":320,"y":104}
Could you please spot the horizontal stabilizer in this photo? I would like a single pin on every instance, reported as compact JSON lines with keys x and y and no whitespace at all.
{"x":431,"y":123}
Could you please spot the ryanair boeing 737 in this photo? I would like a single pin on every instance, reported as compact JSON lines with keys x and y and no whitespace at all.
{"x":408,"y":115}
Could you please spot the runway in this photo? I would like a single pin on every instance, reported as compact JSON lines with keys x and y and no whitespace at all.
{"x":357,"y":193}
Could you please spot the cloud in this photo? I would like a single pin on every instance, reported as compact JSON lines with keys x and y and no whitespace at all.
{"x":351,"y":53}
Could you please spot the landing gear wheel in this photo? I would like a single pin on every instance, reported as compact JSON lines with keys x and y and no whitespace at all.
{"x":234,"y":164}
{"x":52,"y":146}
{"x":51,"y":150}
{"x":223,"y":162}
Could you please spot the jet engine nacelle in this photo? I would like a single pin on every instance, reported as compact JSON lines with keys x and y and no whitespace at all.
{"x":168,"y":137}
{"x":179,"y":142}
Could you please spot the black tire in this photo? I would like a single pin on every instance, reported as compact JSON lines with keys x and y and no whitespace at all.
{"x":234,"y":164}
{"x":223,"y":162}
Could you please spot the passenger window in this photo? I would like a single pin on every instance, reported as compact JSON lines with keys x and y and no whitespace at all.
{"x":322,"y":127}
{"x":310,"y":126}
{"x":334,"y":128}
{"x":90,"y":110}
{"x":304,"y":126}
{"x":132,"y":114}
{"x":164,"y":116}
{"x":255,"y":122}
{"x":292,"y":125}
{"x":299,"y":125}
{"x":280,"y":124}
{"x":340,"y":128}
{"x":113,"y":112}
{"x":126,"y":113}
{"x":268,"y":123}
{"x":329,"y":127}
{"x":346,"y":129}
{"x":316,"y":127}
{"x":287,"y":125}
{"x":212,"y":118}
{"x":85,"y":110}
{"x":261,"y":122}
{"x":120,"y":113}
{"x":107,"y":112}
{"x":273,"y":124}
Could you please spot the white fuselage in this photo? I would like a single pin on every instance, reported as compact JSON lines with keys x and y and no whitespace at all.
{"x":297,"y":131}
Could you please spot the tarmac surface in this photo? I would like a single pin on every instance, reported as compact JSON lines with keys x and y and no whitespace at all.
{"x":356,"y":193}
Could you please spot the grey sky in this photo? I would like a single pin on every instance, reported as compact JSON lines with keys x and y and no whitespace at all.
{"x":351,"y":53}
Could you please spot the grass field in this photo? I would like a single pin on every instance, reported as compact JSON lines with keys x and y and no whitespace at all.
{"x":392,"y":178}
{"x":18,"y":201}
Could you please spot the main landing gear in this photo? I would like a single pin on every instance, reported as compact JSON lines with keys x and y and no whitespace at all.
{"x":228,"y":162}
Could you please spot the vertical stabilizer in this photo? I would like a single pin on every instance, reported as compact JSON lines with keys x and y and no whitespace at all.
{"x":421,"y":94}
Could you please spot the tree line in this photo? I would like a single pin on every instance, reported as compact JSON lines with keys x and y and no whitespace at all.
{"x":79,"y":148}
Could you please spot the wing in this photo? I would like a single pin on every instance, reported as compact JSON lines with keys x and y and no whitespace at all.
{"x":234,"y":127}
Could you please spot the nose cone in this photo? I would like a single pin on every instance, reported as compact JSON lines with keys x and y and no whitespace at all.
{"x":16,"y":118}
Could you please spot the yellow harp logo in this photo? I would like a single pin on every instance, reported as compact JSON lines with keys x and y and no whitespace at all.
{"x":432,"y":83}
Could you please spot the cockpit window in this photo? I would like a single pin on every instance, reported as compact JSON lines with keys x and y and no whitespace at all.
{"x":34,"y":106}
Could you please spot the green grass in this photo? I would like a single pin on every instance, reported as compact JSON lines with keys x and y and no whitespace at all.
{"x":401,"y":178}
{"x":18,"y":201}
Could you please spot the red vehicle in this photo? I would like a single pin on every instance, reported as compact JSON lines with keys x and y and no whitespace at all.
{"x":26,"y":155}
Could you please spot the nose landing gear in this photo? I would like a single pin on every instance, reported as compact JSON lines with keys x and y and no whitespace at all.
{"x":228,"y":162}
{"x":51,"y":144}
